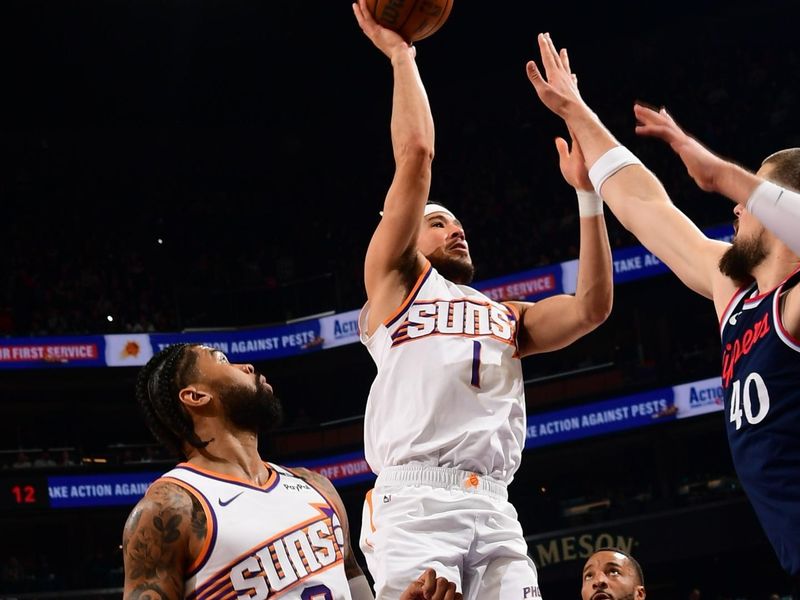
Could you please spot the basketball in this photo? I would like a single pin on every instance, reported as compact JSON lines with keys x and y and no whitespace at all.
{"x":412,"y":19}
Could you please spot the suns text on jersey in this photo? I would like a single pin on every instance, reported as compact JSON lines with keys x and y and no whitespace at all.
{"x":460,"y":317}
{"x":289,"y":559}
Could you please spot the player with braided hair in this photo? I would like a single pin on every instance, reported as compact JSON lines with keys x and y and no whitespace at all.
{"x":224,"y":522}
{"x":156,"y":386}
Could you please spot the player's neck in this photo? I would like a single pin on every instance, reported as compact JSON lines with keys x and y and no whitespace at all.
{"x":777,"y":266}
{"x":233,"y":453}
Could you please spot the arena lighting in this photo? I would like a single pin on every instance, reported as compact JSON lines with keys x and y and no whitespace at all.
{"x":109,"y":318}
{"x":160,"y":241}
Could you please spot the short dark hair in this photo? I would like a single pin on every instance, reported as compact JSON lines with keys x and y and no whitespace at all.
{"x":637,"y":567}
{"x":157,"y":387}
{"x":436,"y":203}
{"x":785,"y":168}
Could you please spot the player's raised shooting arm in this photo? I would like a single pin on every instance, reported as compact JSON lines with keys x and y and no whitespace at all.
{"x":393,"y":245}
{"x":158,"y":542}
{"x":392,"y":250}
{"x":394,"y":242}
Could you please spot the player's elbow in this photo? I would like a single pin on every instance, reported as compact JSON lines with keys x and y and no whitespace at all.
{"x":597,"y":311}
{"x":416,"y":150}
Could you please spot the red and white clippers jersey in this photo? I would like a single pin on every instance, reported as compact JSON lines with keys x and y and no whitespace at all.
{"x":282,"y":539}
{"x":449,"y":390}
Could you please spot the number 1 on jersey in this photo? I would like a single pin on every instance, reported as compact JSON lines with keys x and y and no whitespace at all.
{"x":476,"y":364}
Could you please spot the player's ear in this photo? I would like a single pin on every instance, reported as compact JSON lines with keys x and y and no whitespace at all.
{"x":192,"y":397}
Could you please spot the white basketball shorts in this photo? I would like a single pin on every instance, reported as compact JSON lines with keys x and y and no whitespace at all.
{"x":458,"y":523}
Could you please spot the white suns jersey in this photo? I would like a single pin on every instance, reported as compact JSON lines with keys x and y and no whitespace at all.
{"x":282,"y":539}
{"x":449,"y":390}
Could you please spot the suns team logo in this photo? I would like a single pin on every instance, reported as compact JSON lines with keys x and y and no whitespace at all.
{"x":286,"y":560}
{"x":461,"y":317}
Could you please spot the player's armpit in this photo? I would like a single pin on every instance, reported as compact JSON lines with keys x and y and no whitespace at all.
{"x":155,"y":543}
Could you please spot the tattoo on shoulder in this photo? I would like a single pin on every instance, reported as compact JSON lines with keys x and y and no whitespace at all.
{"x":151,"y":542}
{"x":313,"y":477}
{"x":199,"y":522}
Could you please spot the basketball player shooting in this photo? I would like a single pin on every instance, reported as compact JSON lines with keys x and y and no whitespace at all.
{"x":445,"y":419}
{"x":752,"y":282}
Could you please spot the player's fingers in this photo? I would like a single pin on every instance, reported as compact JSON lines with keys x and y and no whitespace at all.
{"x":562,"y":147}
{"x":645,"y":114}
{"x":450,"y":591}
{"x":655,"y":131}
{"x":668,"y":117}
{"x":366,"y":19}
{"x":565,"y":60}
{"x":359,"y":16}
{"x":548,"y":60}
{"x":428,"y":582}
{"x":442,"y":585}
{"x":554,"y":53}
{"x":535,"y":77}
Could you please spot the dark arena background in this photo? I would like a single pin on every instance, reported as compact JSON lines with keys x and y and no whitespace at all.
{"x":213,"y":171}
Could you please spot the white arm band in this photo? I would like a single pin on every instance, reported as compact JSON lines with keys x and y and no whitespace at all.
{"x":608,"y":164}
{"x":359,"y":588}
{"x":778,"y":209}
{"x":590,"y":204}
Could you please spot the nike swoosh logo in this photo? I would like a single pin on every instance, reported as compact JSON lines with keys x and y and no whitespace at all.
{"x":226,"y":502}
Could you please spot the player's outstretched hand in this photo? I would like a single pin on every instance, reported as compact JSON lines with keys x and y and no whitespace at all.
{"x":430,"y":587}
{"x":387,"y":41}
{"x":558,"y":87}
{"x":702,"y":164}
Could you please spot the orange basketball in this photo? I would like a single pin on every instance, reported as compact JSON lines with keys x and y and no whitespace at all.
{"x":412,"y":19}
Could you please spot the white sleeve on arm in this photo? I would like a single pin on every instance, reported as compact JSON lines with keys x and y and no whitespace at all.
{"x":778,"y":209}
{"x":609,"y":163}
{"x":359,"y":588}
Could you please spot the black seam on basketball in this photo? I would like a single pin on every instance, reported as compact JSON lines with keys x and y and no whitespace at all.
{"x":408,"y":16}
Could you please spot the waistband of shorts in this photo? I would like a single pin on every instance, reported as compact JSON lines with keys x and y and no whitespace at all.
{"x":444,"y":478}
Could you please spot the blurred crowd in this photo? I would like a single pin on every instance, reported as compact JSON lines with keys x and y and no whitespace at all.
{"x":123,"y":252}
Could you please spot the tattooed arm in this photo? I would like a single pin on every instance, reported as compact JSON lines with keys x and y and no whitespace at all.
{"x":162,"y":536}
{"x":351,"y":566}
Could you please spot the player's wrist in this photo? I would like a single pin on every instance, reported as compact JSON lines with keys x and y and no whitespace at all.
{"x":725,"y":178}
{"x":590,"y":204}
{"x":576,"y":113}
{"x":401,"y":54}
